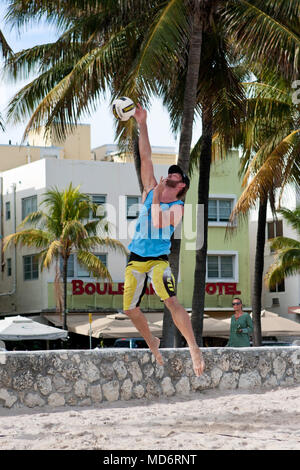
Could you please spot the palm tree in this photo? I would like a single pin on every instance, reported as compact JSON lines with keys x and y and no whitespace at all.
{"x":134,"y":48}
{"x":65,"y":228}
{"x":287,"y":262}
{"x":6,"y":51}
{"x":278,"y":40}
{"x":270,"y":140}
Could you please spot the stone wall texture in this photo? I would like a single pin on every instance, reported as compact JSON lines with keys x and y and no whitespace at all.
{"x":86,"y":377}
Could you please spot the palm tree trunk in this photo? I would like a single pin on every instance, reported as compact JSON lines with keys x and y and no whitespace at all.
{"x":137,"y":161}
{"x":169,"y":330}
{"x":171,"y":336}
{"x":198,"y":302}
{"x":65,"y":311}
{"x":190,"y":92}
{"x":258,"y":271}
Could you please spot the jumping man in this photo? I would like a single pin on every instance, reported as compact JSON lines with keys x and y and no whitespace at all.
{"x":162,"y":210}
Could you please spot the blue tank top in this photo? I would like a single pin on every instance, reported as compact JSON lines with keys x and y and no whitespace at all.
{"x":148,"y":240}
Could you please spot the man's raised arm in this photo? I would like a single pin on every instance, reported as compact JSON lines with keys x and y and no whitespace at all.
{"x":147,"y":172}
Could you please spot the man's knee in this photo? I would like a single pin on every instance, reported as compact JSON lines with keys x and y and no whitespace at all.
{"x":132,"y":312}
{"x":171,"y":302}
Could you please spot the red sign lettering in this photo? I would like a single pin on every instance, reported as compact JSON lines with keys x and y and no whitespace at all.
{"x":98,"y":288}
{"x":211,"y":288}
{"x":77,"y":287}
{"x":90,"y":288}
{"x":119,"y":291}
{"x":222,"y":288}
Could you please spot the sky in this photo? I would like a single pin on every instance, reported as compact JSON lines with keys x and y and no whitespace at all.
{"x":101,"y":121}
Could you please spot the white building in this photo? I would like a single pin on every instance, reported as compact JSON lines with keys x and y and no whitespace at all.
{"x":23,"y":287}
{"x":285,"y":297}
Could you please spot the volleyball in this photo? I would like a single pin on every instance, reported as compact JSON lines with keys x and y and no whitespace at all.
{"x":123,"y":108}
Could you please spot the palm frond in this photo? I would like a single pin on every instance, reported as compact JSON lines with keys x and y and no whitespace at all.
{"x":60,"y":95}
{"x":287,"y":264}
{"x":31,"y":237}
{"x":292,"y":217}
{"x":278,"y":33}
{"x":270,"y":173}
{"x":73,"y":230}
{"x":287,"y":261}
{"x":275,"y":275}
{"x":33,"y":218}
{"x":5,"y":48}
{"x":163,"y":38}
{"x":280,"y":243}
{"x":51,"y":254}
{"x":93,"y":264}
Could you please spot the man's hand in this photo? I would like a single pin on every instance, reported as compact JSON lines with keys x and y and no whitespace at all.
{"x":140,"y":115}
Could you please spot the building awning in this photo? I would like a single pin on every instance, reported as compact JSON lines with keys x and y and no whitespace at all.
{"x":19,"y":328}
{"x":105,"y":326}
{"x":119,"y":325}
{"x":294,"y":310}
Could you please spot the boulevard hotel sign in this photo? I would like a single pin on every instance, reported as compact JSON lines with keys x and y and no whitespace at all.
{"x":106,"y":288}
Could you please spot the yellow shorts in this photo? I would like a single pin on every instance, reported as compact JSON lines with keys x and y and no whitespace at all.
{"x":137,"y":274}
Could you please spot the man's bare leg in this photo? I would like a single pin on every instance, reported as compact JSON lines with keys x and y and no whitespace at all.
{"x":183,"y":323}
{"x":141,"y":324}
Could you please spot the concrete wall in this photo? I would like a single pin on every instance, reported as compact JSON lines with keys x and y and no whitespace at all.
{"x":76,"y":145}
{"x":87,"y":377}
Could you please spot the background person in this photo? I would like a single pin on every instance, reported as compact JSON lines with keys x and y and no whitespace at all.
{"x":241,"y":326}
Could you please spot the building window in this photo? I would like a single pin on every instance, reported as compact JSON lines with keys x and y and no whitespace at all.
{"x":29,"y":205}
{"x":274,"y":229}
{"x":30,"y":267}
{"x":100,"y":201}
{"x":9,"y":270}
{"x":74,"y":269}
{"x":70,"y":266}
{"x":219,"y":210}
{"x":133,"y":206}
{"x":103,"y":258}
{"x":280,"y":287}
{"x":81,"y":271}
{"x":220,"y":267}
{"x":7,"y":211}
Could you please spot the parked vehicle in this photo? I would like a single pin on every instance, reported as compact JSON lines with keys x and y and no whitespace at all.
{"x":130,"y":343}
{"x":274,"y":343}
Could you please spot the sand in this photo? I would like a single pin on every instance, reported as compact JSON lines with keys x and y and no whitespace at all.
{"x":207,"y":420}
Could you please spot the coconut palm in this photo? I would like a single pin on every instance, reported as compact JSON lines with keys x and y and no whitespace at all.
{"x":132,"y":47}
{"x":270,"y":140}
{"x":287,"y":251}
{"x":6,"y":51}
{"x":64,"y":228}
{"x":281,"y":38}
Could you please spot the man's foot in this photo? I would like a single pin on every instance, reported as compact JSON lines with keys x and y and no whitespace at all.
{"x":154,"y":345}
{"x":197,"y":359}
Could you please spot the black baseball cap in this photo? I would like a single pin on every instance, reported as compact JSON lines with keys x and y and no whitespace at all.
{"x":177,"y":169}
